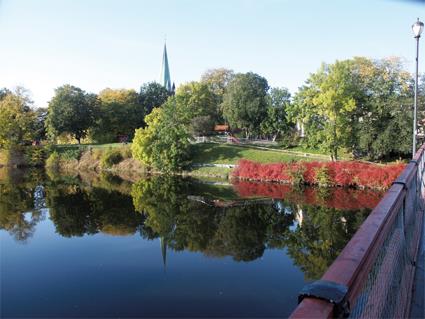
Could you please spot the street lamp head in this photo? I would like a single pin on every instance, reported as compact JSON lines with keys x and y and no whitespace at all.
{"x":417,"y":28}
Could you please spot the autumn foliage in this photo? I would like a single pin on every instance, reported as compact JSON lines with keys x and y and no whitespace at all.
{"x":339,"y":198}
{"x":340,"y":173}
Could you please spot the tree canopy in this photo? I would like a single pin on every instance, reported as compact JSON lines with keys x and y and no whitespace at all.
{"x":276,"y":122}
{"x":71,"y":111}
{"x":17,"y":120}
{"x":245,"y":102}
{"x":164,"y":143}
{"x":119,"y":114}
{"x":152,"y":95}
{"x":359,"y":105}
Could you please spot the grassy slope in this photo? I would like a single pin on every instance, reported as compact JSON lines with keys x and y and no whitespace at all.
{"x":212,"y":153}
{"x":231,"y":154}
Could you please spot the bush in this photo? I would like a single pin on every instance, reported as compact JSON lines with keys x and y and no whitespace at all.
{"x":322,"y":176}
{"x":53,"y":161}
{"x":341,"y":173}
{"x":71,"y":154}
{"x":296,"y":172}
{"x":110,"y":158}
{"x":125,"y":152}
{"x":34,"y":155}
{"x":289,"y":139}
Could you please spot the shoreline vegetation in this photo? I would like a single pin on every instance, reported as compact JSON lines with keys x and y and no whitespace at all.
{"x":212,"y":160}
{"x":355,"y":109}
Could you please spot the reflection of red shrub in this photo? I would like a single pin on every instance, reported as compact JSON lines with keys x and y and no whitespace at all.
{"x":342,"y":173}
{"x":339,"y":198}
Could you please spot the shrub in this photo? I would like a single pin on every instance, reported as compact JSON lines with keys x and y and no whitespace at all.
{"x":125,"y":152}
{"x":71,"y":154}
{"x":322,"y":176}
{"x":342,"y":173}
{"x":34,"y":155}
{"x":110,"y":158}
{"x":53,"y":161}
{"x":296,"y":172}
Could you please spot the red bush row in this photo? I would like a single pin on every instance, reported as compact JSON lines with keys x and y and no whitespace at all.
{"x":339,"y":198}
{"x":341,"y":173}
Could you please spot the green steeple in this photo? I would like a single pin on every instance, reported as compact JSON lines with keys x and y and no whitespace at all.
{"x":165,"y":78}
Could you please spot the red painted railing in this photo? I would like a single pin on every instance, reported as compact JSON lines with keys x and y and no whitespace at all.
{"x":378,"y":264}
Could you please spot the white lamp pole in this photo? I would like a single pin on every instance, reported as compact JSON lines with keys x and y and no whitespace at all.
{"x":417,"y":28}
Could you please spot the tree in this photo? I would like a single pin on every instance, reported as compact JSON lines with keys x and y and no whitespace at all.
{"x":217,"y":81}
{"x":245,"y":102}
{"x":16,"y":119}
{"x":119,"y":114}
{"x":164,"y":142}
{"x":361,"y":105}
{"x":152,"y":95}
{"x":276,"y":121}
{"x":325,"y":104}
{"x":195,"y":99}
{"x":384,"y":121}
{"x":201,"y":125}
{"x":71,"y":111}
{"x":40,"y":123}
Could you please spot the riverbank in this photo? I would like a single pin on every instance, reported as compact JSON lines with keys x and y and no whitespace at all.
{"x":208,"y":159}
{"x":218,"y":161}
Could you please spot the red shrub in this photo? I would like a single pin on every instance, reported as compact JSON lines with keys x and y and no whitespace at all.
{"x":341,"y":173}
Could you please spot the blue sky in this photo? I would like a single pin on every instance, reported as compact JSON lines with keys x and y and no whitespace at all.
{"x":95,"y":44}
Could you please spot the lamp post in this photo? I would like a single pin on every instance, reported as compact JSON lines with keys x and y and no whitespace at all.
{"x":417,"y":28}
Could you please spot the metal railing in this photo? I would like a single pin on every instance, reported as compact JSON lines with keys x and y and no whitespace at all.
{"x":377,"y":266}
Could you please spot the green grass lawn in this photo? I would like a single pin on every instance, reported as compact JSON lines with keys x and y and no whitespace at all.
{"x":218,"y":172}
{"x":231,"y":154}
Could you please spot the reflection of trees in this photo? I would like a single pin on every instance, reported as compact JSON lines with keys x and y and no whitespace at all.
{"x":76,"y":211}
{"x":242,"y":232}
{"x":324,"y":232}
{"x":17,"y":215}
{"x":314,"y":240}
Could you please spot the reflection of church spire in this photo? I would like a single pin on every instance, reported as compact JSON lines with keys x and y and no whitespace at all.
{"x":164,"y":251}
{"x":165,"y":78}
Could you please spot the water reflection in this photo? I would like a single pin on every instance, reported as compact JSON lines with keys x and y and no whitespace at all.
{"x":20,"y":210}
{"x":184,"y":215}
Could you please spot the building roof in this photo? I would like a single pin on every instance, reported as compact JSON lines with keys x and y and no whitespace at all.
{"x":165,"y":78}
{"x":221,"y":128}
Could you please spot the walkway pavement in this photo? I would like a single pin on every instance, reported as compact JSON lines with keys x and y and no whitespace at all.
{"x":418,"y":302}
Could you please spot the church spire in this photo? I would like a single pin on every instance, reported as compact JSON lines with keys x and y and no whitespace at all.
{"x":165,"y":79}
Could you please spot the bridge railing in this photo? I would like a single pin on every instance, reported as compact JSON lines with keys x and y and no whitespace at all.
{"x":377,"y":265}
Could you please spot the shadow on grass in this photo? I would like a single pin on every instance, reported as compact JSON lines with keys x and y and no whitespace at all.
{"x":210,"y":153}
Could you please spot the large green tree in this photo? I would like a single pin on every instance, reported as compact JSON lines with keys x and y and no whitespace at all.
{"x":276,"y":123}
{"x":195,"y":99}
{"x":164,"y":143}
{"x":325,"y":105}
{"x":119,"y":114}
{"x":197,"y":105}
{"x":383,"y":126}
{"x":360,"y":105}
{"x":245,"y":102}
{"x":152,"y":95}
{"x":71,"y":111}
{"x":16,"y":119}
{"x":217,"y":81}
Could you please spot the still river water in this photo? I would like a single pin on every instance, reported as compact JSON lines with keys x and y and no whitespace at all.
{"x":98,"y":246}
